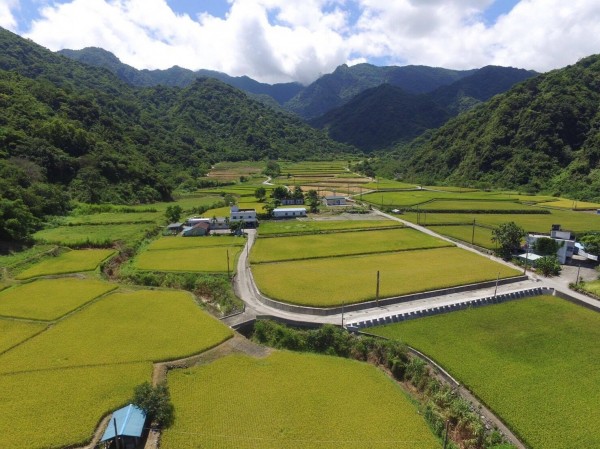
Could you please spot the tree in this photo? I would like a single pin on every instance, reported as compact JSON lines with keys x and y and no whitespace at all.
{"x":173,"y":213}
{"x":508,"y":236}
{"x":260,"y":194}
{"x":591,"y":242}
{"x":546,"y":246}
{"x":155,"y":402}
{"x":16,"y":220}
{"x":312,"y":199}
{"x":229,"y":199}
{"x":298,"y":193}
{"x":548,"y":266}
{"x":272,"y":169}
{"x":280,"y":193}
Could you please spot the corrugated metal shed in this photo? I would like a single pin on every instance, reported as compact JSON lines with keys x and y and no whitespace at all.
{"x":130,"y":423}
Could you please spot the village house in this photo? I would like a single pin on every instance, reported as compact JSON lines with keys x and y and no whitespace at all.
{"x":334,"y":200}
{"x":199,"y":229}
{"x":291,"y":212}
{"x":248,"y":216}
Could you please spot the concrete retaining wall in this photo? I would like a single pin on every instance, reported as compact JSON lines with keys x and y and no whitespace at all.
{"x":451,"y":308}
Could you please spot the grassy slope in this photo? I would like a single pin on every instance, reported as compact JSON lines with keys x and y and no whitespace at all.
{"x":533,"y":361}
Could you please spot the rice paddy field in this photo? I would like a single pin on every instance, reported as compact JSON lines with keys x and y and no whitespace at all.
{"x":68,"y":262}
{"x":177,"y":242}
{"x":49,"y":299}
{"x":316,"y":226}
{"x":291,"y":400}
{"x":533,"y":361}
{"x":573,"y":204}
{"x":225,"y":211}
{"x":341,"y":244}
{"x":116,"y":218}
{"x":13,"y":332}
{"x":388,"y":184}
{"x":345,"y":280}
{"x":462,"y":205}
{"x":209,"y":259}
{"x":592,"y":287}
{"x":483,"y":236}
{"x":94,"y":234}
{"x":231,"y":171}
{"x":573,"y":221}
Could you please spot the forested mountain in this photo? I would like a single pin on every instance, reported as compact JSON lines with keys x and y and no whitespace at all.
{"x":71,"y":131}
{"x":381,"y":117}
{"x":542,"y":134}
{"x":177,"y":76}
{"x":333,"y":90}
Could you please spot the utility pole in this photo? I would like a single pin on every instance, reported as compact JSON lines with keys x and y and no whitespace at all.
{"x":446,"y":434}
{"x":228,"y":271}
{"x":342,"y":314}
{"x":377,"y":291}
{"x":116,"y":434}
{"x":497,"y":279}
{"x":577,"y":280}
{"x":526,"y":255}
{"x":473,"y":233}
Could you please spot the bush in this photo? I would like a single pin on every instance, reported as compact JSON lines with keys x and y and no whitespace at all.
{"x":548,"y":266}
{"x":155,"y":402}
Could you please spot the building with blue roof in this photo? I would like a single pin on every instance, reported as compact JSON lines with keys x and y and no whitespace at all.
{"x":129,"y":422}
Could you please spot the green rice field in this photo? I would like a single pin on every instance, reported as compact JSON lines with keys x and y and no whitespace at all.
{"x":49,"y":299}
{"x":127,"y":327}
{"x":291,"y":400}
{"x":116,"y":218}
{"x":69,"y":262}
{"x":346,"y":280}
{"x":341,"y":244}
{"x":203,"y":259}
{"x":59,"y":408}
{"x":172,"y":242}
{"x":572,"y":204}
{"x":533,"y":361}
{"x":315,"y":226}
{"x":94,"y":234}
{"x":573,"y":221}
{"x":226,"y":211}
{"x":388,"y":184}
{"x":462,"y":205}
{"x":13,"y":332}
{"x":483,"y":236}
{"x":592,"y":287}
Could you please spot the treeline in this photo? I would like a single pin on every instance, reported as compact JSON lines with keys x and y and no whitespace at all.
{"x":73,"y":132}
{"x":439,"y":403}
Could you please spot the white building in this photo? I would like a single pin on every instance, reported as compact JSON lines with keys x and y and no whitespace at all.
{"x":291,"y":212}
{"x":248,"y":216}
{"x":563,"y":238}
{"x":334,"y":200}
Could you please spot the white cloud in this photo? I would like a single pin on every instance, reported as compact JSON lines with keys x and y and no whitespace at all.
{"x":7,"y":18}
{"x":283,"y":40}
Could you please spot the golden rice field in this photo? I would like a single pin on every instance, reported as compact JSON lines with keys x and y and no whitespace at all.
{"x":291,"y":400}
{"x":49,"y":299}
{"x":59,"y":408}
{"x":144,"y":325}
{"x":68,"y":262}
{"x":533,"y":361}
{"x":94,"y":234}
{"x":201,"y":260}
{"x":345,"y":280}
{"x":116,"y":218}
{"x":572,"y":204}
{"x":316,"y":226}
{"x":483,"y":236}
{"x":13,"y":332}
{"x":341,"y":244}
{"x":177,"y":242}
{"x":574,"y":221}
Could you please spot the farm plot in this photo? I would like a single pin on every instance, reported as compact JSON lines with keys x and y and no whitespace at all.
{"x":121,"y":328}
{"x":339,"y":280}
{"x":291,"y":400}
{"x":316,"y":226}
{"x":225,"y":211}
{"x":195,"y":242}
{"x":61,"y":408}
{"x":49,"y":299}
{"x":565,"y":203}
{"x":187,"y":202}
{"x":94,"y":234}
{"x":341,"y":244}
{"x":478,"y":205}
{"x":69,"y":262}
{"x":202,"y":260}
{"x":533,"y":361}
{"x":481,"y":237}
{"x":574,"y":221}
{"x":115,"y":218}
{"x":13,"y":332}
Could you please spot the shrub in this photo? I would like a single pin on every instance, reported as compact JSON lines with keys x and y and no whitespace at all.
{"x":155,"y":402}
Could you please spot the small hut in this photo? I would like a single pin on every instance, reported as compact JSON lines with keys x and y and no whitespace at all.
{"x":125,"y":427}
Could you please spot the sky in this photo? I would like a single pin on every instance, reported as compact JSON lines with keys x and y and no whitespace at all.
{"x":300,"y":40}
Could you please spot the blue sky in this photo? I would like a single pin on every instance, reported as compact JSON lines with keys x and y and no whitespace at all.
{"x":289,"y":40}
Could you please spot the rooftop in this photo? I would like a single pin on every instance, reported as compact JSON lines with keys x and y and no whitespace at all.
{"x":130,"y":422}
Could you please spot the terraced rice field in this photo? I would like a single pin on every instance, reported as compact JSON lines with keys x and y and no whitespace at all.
{"x":534,"y":361}
{"x":226,"y":211}
{"x":483,"y":236}
{"x":94,"y":234}
{"x":13,"y":332}
{"x":89,"y":362}
{"x":177,"y":242}
{"x":69,"y":262}
{"x":211,"y":259}
{"x":116,"y":218}
{"x":341,"y":244}
{"x":292,"y":400}
{"x":345,"y":280}
{"x":49,"y":299}
{"x":573,"y":221}
{"x":316,"y":226}
{"x":565,"y":203}
{"x":231,"y":171}
{"x":462,"y":205}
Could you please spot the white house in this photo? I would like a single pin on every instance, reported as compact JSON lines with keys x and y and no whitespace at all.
{"x":563,"y":238}
{"x":289,"y":212}
{"x":334,"y":200}
{"x":248,"y":216}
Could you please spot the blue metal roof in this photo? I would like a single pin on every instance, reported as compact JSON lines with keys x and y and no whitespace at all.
{"x":130,"y":422}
